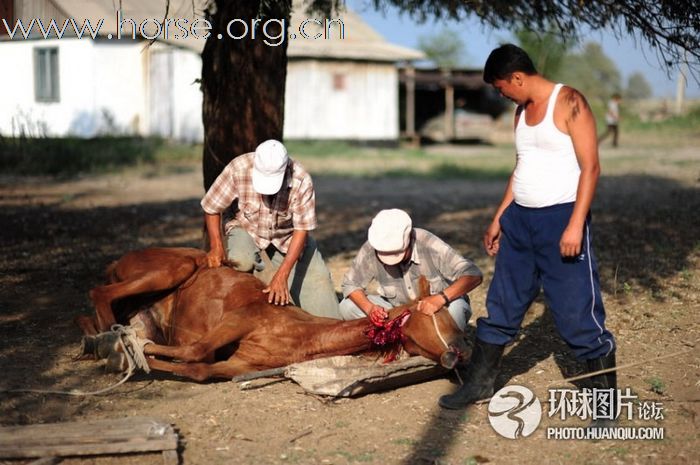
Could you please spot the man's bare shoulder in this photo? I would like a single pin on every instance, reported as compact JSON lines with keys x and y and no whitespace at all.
{"x":574,"y":102}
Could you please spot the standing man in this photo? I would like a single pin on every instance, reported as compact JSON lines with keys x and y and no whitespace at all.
{"x":275,"y":210}
{"x":612,"y":119}
{"x":540,"y":233}
{"x":396,"y":255}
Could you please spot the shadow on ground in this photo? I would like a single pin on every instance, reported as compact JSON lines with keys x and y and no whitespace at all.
{"x":645,"y":230}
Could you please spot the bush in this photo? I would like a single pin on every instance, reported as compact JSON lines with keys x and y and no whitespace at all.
{"x":71,"y":155}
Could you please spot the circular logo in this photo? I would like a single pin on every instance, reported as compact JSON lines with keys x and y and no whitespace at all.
{"x":514,"y":412}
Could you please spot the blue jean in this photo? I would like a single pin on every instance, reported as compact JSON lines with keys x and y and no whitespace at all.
{"x":529,"y":257}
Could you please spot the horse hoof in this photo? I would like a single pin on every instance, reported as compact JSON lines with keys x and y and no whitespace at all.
{"x":88,"y":347}
{"x":116,"y":363}
{"x":106,"y":344}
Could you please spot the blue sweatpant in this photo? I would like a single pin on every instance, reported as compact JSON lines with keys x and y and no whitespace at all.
{"x":529,"y":258}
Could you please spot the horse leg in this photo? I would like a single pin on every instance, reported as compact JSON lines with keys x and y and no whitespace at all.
{"x":87,"y":324}
{"x":151,"y":281}
{"x":203,"y":371}
{"x":230,"y":329}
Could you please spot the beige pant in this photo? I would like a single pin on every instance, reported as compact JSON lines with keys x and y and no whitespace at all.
{"x":310,"y":283}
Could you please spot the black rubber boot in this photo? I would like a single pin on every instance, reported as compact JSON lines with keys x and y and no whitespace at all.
{"x":478,"y":377}
{"x":604,"y":381}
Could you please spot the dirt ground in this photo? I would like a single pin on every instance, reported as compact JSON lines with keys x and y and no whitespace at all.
{"x":58,"y":236}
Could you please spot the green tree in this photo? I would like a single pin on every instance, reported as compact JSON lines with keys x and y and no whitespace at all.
{"x":445,"y":48}
{"x":591,"y":72}
{"x":548,"y":50}
{"x":637,"y":87}
{"x":243,"y":81}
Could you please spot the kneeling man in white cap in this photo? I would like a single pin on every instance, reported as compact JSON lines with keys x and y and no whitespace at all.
{"x":395,"y":256}
{"x":274,"y":210}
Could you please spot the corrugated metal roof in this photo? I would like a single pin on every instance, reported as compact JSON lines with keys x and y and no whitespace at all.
{"x":139,"y":11}
{"x":360,"y":41}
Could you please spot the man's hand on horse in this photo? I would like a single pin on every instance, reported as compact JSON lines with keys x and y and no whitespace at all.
{"x":377,"y":315}
{"x":277,"y":290}
{"x":431,"y":304}
{"x":215,"y":257}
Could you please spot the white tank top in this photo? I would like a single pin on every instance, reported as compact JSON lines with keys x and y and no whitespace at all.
{"x":546,"y":171}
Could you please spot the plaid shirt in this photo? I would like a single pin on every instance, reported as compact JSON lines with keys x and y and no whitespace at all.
{"x":430,"y":257}
{"x":269,"y":219}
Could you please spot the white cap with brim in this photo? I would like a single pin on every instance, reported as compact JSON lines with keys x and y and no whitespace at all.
{"x":390,"y":235}
{"x":269,"y":166}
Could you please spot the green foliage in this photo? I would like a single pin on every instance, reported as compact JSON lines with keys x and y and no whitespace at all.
{"x":637,"y":87}
{"x":547,"y":50}
{"x":445,"y":48}
{"x":591,"y":72}
{"x":684,"y":125}
{"x":72,"y":155}
{"x":657,"y":385}
{"x":670,"y":28}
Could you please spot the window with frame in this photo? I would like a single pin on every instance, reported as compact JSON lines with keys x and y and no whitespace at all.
{"x":46,"y":74}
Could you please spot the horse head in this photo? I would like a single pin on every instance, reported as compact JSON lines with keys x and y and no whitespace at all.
{"x":436,"y":337}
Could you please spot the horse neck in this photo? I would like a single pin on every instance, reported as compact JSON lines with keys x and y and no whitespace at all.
{"x":345,"y":337}
{"x":338,"y":338}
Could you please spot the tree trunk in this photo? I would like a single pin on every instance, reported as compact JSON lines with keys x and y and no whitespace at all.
{"x":243,"y":82}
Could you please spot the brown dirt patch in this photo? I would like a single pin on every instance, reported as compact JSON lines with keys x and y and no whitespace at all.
{"x":58,"y":237}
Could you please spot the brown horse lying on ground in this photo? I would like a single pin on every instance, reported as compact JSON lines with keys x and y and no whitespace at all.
{"x":217,"y":322}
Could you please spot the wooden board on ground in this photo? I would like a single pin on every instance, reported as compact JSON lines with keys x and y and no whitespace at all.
{"x":97,"y":437}
{"x":352,"y":376}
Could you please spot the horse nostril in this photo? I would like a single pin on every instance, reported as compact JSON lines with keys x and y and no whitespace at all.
{"x":449,"y":359}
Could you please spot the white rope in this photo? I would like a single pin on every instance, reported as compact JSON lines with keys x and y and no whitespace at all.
{"x":131,"y":345}
{"x":437,"y":330}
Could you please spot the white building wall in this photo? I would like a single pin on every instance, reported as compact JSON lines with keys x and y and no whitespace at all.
{"x":365,"y":108}
{"x":187,"y":105}
{"x":106,"y":87}
{"x":100,"y":89}
{"x":119,"y":100}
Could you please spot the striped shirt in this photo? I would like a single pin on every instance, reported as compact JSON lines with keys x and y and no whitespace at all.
{"x":430,"y":257}
{"x":269,"y":219}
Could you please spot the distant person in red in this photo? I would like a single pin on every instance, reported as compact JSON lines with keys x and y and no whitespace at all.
{"x":612,"y":119}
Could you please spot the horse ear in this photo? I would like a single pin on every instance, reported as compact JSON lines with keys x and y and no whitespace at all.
{"x":423,"y":287}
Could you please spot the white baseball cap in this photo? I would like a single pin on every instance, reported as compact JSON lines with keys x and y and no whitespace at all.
{"x":390,"y":235}
{"x":269,"y":166}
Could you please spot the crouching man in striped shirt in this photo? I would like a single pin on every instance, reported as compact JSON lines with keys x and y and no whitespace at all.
{"x":274,"y":211}
{"x":395,"y":256}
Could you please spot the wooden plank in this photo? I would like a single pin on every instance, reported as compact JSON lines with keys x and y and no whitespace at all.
{"x":349,"y":376}
{"x":138,"y":434}
{"x":271,"y":373}
{"x":20,"y":451}
{"x":46,"y":461}
{"x":170,"y":457}
{"x":79,"y":427}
